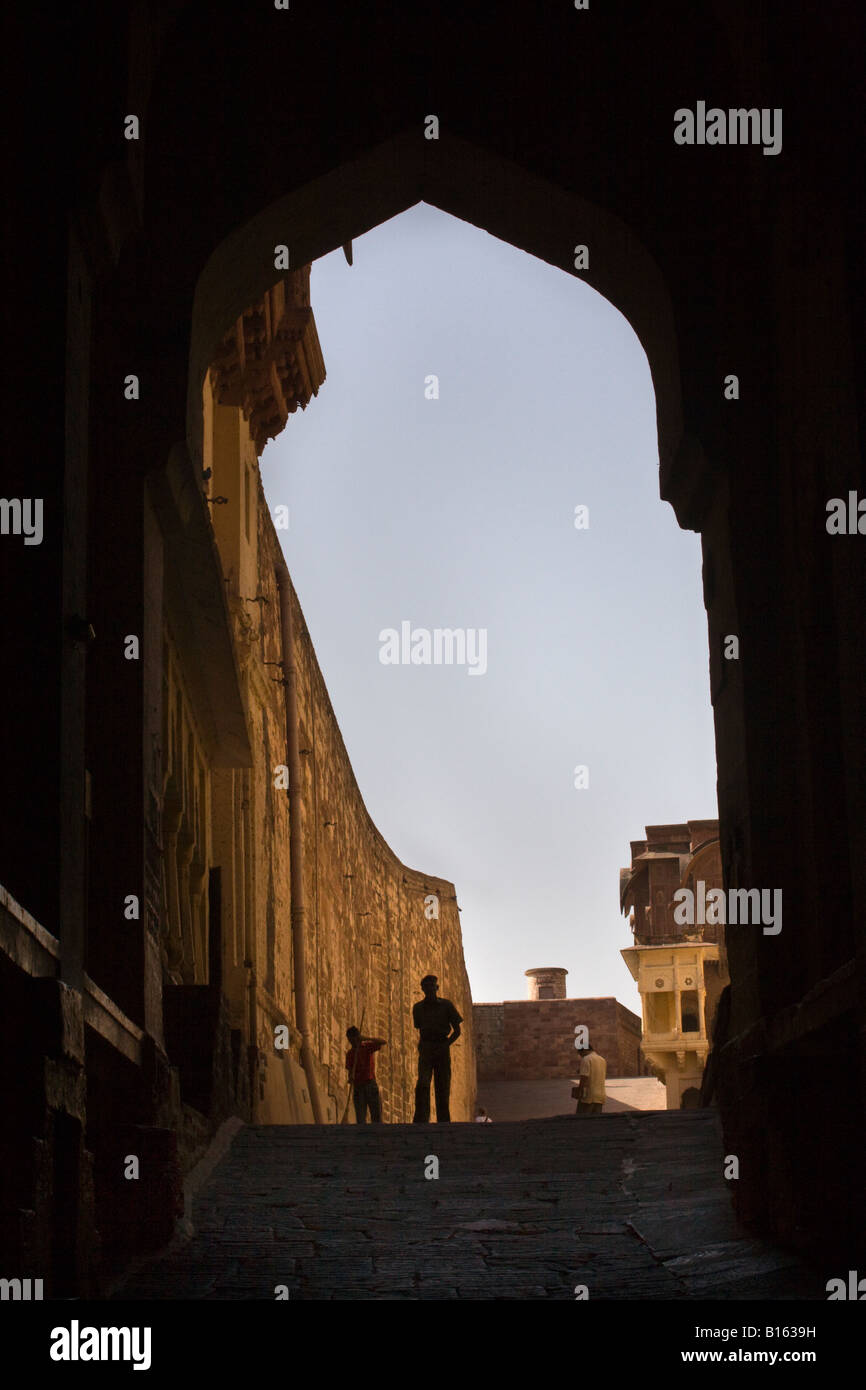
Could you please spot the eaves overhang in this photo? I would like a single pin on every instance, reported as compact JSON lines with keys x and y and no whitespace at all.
{"x":694,"y":863}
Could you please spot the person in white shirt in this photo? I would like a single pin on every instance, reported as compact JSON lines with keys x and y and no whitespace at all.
{"x":592,"y":1073}
{"x":482,"y":1117}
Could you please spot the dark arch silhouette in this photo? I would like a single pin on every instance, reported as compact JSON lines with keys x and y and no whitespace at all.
{"x":248,"y":114}
{"x":469,"y":183}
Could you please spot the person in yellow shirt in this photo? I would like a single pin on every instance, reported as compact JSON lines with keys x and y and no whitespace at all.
{"x":592,"y":1073}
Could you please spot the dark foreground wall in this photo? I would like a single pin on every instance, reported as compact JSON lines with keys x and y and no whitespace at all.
{"x":556,"y":129}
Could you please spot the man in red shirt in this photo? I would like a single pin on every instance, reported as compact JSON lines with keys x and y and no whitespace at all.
{"x":361,"y":1066}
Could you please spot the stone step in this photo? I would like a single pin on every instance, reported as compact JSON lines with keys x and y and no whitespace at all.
{"x":628,"y":1205}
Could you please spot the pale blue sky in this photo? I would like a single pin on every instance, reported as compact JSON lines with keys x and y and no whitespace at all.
{"x":459,"y":513}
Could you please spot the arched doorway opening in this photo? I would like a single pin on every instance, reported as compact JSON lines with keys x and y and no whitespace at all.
{"x":519,"y":209}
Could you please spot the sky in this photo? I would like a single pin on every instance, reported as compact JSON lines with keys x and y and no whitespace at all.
{"x":458,"y":512}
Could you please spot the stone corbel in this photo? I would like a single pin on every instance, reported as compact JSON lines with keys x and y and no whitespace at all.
{"x":271,"y":361}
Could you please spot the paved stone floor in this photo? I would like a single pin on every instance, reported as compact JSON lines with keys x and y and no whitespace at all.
{"x":632,"y":1205}
{"x":536,"y":1100}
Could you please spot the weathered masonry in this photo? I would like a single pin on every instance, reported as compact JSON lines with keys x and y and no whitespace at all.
{"x":140,"y":255}
{"x":534,"y":1039}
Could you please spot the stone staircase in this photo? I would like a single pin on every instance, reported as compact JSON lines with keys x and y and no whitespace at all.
{"x":629,"y":1206}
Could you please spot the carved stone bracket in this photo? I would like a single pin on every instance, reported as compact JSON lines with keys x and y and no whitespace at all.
{"x":271,"y":361}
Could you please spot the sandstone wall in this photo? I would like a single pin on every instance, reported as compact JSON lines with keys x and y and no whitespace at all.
{"x":369,"y":941}
{"x":489,"y":1040}
{"x":533,"y":1039}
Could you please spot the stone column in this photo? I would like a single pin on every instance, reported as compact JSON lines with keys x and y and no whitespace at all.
{"x":185,"y":845}
{"x":171,"y":929}
{"x":198,"y":935}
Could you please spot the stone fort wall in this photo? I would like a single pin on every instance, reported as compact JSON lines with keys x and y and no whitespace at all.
{"x":369,"y":939}
{"x":533,"y":1039}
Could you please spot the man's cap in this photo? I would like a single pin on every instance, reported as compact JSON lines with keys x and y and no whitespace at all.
{"x":430,"y":980}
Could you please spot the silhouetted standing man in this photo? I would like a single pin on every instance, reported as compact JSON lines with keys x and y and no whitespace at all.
{"x":438,"y":1024}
